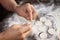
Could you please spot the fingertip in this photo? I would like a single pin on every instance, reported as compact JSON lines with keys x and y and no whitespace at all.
{"x":27,"y":4}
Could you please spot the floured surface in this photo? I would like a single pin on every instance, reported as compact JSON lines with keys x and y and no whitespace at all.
{"x":46,"y":28}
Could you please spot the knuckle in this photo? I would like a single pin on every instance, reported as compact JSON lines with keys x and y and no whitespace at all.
{"x":16,"y":26}
{"x":29,"y":26}
{"x":22,"y":36}
{"x":28,"y":4}
{"x":20,"y":32}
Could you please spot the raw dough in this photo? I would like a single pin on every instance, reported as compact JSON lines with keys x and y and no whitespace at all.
{"x":43,"y":35}
{"x":51,"y":31}
{"x":48,"y":23}
{"x":43,"y":19}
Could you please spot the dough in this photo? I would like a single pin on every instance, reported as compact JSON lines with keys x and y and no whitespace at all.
{"x":43,"y":35}
{"x":51,"y":31}
{"x":48,"y":23}
{"x":43,"y":19}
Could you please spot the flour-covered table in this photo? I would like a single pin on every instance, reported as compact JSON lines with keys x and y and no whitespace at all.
{"x":46,"y":28}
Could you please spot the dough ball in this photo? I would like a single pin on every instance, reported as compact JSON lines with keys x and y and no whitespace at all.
{"x":43,"y":35}
{"x":48,"y":23}
{"x":43,"y":19}
{"x":51,"y":31}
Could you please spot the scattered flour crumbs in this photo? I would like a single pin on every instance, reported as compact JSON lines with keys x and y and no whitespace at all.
{"x":47,"y":28}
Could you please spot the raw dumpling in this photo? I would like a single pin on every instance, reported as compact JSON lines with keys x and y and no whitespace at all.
{"x":51,"y":31}
{"x":48,"y":23}
{"x":43,"y":19}
{"x":43,"y":35}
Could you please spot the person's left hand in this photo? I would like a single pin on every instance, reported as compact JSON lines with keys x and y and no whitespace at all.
{"x":27,"y":11}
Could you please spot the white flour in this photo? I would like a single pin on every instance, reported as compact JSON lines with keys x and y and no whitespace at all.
{"x":47,"y":28}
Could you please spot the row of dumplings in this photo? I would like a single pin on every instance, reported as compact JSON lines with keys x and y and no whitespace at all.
{"x":45,"y":27}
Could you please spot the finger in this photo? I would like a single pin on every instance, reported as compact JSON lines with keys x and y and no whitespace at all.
{"x":35,"y":16}
{"x":25,"y":28}
{"x":27,"y":33}
{"x":23,"y":14}
{"x":29,"y":11}
{"x":34,"y":12}
{"x":16,"y":26}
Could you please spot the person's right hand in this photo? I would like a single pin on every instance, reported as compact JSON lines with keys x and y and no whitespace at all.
{"x":17,"y":32}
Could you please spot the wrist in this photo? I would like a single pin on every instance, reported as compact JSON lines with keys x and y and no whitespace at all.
{"x":2,"y":36}
{"x":16,"y":8}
